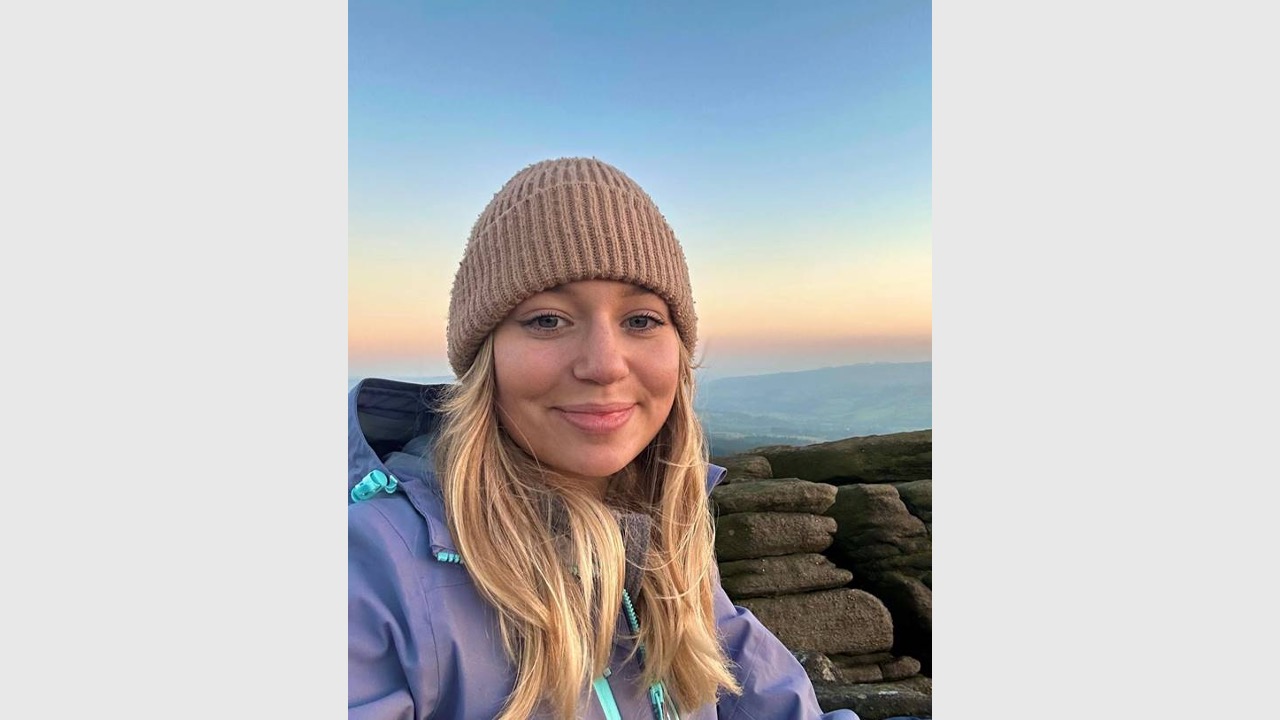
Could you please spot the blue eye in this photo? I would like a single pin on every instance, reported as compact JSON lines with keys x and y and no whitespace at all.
{"x":644,"y":322}
{"x":544,"y":322}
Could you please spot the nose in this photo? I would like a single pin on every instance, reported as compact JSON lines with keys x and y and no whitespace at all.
{"x":602,"y":355}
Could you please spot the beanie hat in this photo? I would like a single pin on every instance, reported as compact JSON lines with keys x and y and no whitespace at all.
{"x":555,"y":222}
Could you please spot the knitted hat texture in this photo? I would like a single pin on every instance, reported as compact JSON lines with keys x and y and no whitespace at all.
{"x":555,"y":222}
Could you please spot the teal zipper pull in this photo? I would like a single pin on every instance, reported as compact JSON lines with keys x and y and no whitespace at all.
{"x":656,"y":699}
{"x":449,"y":557}
{"x":373,"y":483}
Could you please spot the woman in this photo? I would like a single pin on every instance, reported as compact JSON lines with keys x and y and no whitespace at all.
{"x":535,"y":540}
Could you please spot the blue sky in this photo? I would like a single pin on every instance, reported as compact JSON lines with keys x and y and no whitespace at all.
{"x":787,"y":144}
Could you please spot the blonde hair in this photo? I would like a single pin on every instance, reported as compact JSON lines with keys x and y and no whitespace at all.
{"x":558,"y":591}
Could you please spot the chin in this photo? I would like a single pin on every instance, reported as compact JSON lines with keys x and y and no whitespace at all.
{"x":598,"y":468}
{"x":589,"y":462}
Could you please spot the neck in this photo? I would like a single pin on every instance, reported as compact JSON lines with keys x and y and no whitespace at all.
{"x":596,"y":488}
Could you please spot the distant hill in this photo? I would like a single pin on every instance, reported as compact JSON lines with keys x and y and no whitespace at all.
{"x":799,"y":408}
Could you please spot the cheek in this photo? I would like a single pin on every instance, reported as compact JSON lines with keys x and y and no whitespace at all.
{"x":510,"y":371}
{"x":523,"y":371}
{"x":663,"y":375}
{"x":503,"y":368}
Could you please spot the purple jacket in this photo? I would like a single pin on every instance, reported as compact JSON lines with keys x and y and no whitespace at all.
{"x":421,"y":641}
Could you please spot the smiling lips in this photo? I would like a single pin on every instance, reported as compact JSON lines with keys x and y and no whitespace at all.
{"x":597,"y":419}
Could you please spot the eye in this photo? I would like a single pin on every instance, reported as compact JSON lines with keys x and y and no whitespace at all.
{"x":544,"y":323}
{"x":644,"y":322}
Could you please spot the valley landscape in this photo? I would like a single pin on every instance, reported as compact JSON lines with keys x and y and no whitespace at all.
{"x":811,"y":406}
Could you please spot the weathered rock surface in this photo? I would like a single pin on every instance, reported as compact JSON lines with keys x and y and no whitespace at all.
{"x":739,"y":467}
{"x":843,"y":621}
{"x":854,"y":669}
{"x":890,"y":552}
{"x":868,"y":644}
{"x":910,"y":603}
{"x":877,"y":701}
{"x":779,"y":495}
{"x":817,"y":665}
{"x":896,"y":457}
{"x":754,"y":535}
{"x":917,"y":495}
{"x":848,"y":670}
{"x":771,"y":576}
{"x":875,"y":532}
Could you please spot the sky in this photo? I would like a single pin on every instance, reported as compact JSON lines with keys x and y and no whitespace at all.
{"x":787,"y":144}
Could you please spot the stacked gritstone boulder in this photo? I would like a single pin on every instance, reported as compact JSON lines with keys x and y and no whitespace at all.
{"x":744,"y":467}
{"x":891,"y":551}
{"x":770,"y":536}
{"x":884,"y":514}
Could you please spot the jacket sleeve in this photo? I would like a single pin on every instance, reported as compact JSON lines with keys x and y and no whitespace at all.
{"x":774,"y":684}
{"x":384,"y":648}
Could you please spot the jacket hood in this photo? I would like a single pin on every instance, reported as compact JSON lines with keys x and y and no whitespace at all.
{"x":391,"y":425}
{"x":386,"y":418}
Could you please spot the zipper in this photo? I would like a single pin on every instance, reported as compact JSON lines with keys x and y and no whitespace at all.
{"x":657,"y":691}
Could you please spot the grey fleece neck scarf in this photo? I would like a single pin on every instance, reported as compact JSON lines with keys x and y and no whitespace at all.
{"x":635,"y":538}
{"x":635,"y":527}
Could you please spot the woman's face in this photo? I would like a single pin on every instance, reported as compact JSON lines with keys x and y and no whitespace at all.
{"x":586,"y":375}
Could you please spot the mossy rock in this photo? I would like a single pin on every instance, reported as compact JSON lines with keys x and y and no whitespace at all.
{"x":893,"y":458}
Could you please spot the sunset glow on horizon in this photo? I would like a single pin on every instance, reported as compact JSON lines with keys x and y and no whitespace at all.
{"x":789,"y":147}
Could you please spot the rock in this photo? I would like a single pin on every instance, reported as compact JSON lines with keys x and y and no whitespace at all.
{"x":877,"y":667}
{"x":910,"y":603}
{"x":900,"y":668}
{"x":896,"y":457}
{"x":782,"y":495}
{"x":756,"y":535}
{"x":851,"y":669}
{"x":874,"y":526}
{"x":876,"y":658}
{"x":781,"y":575}
{"x":844,"y":621}
{"x":917,"y":495}
{"x":817,"y":665}
{"x":877,"y":701}
{"x":739,"y":467}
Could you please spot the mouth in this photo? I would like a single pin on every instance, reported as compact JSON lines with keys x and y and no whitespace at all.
{"x":597,"y":419}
